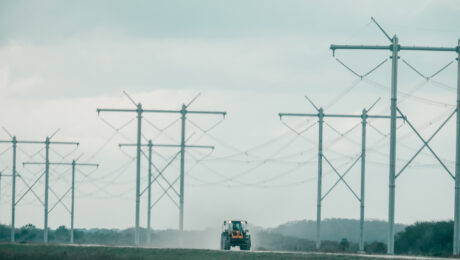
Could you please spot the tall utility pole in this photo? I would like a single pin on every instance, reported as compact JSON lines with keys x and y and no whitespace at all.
{"x":47,"y":143}
{"x":73,"y":164}
{"x":183,"y":113}
{"x":150,"y":145}
{"x":395,"y":47}
{"x":139,"y":112}
{"x":363,"y":179}
{"x":321,"y":115}
{"x":149,"y":196}
{"x":320,"y":177}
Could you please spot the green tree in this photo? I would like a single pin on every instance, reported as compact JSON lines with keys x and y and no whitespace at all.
{"x":344,"y":245}
{"x":426,"y":238}
{"x":62,"y":234}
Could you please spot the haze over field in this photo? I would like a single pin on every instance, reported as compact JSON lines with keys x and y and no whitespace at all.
{"x":59,"y":61}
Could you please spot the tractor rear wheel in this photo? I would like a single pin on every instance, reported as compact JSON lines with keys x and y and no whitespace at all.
{"x":224,"y":243}
{"x":227,"y":245}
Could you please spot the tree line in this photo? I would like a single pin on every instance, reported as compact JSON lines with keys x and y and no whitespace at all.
{"x":421,"y":238}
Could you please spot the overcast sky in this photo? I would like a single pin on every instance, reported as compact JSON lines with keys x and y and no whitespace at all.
{"x":60,"y":60}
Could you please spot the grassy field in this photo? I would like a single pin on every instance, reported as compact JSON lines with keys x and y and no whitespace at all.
{"x":37,"y":251}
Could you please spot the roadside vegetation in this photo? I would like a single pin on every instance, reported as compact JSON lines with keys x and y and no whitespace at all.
{"x":424,"y":238}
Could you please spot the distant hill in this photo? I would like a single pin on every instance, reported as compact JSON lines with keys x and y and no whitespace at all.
{"x":335,"y":229}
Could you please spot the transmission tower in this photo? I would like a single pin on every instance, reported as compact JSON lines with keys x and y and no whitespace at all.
{"x":150,"y":146}
{"x":183,"y":112}
{"x":47,"y":143}
{"x":72,"y":189}
{"x":395,"y":48}
{"x":320,"y":197}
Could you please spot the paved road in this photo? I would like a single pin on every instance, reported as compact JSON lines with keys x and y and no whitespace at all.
{"x":295,"y":253}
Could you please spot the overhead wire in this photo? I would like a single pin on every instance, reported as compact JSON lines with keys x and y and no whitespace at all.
{"x":204,"y":132}
{"x":6,"y":150}
{"x":106,"y":142}
{"x":422,"y":127}
{"x":443,"y":85}
{"x":200,"y":162}
{"x":408,"y":95}
{"x":250,"y":170}
{"x":342,"y":94}
{"x":248,"y":152}
{"x":258,"y":165}
{"x":247,"y":171}
{"x":354,"y":83}
{"x":162,"y":130}
{"x":119,"y":128}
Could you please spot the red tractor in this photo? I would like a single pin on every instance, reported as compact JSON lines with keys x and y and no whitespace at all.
{"x":235,"y":233}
